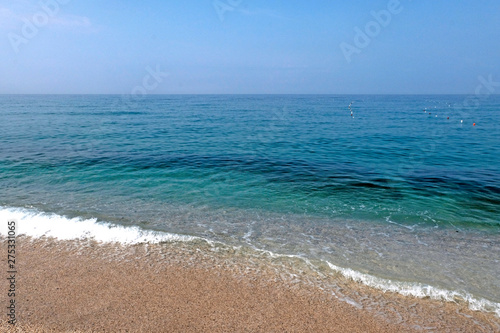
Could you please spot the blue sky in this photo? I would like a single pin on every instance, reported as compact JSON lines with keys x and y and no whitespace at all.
{"x":243,"y":46}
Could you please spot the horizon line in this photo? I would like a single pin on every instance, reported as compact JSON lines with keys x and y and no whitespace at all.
{"x":240,"y":94}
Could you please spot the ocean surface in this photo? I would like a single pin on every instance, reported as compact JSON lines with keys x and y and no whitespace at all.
{"x":404,"y":195}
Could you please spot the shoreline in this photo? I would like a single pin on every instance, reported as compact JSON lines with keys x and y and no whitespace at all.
{"x":87,"y":286}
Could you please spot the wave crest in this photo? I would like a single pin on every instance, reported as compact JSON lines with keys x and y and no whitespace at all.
{"x":36,"y":224}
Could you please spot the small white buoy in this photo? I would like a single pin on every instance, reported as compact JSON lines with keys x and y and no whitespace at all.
{"x":461,"y":121}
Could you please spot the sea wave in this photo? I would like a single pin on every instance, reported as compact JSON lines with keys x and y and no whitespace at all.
{"x":39,"y":224}
{"x":419,"y":290}
{"x":33,"y":223}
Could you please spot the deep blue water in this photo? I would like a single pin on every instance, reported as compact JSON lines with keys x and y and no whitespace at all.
{"x":291,"y":174}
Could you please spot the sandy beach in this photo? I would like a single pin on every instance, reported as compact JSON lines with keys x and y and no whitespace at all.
{"x":82,"y":286}
{"x":245,"y":166}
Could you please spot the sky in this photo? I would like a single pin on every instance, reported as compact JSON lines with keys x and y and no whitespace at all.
{"x":248,"y":47}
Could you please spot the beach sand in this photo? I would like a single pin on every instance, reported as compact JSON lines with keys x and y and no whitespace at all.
{"x":82,"y":286}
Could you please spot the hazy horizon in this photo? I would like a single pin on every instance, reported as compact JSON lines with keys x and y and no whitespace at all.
{"x":240,"y":47}
{"x":240,"y":94}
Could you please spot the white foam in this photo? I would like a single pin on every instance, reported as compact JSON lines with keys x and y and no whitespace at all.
{"x":418,"y":290}
{"x":36,"y":224}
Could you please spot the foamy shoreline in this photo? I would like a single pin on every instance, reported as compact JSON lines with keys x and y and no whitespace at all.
{"x":88,"y":286}
{"x":50,"y":250}
{"x":38,"y":224}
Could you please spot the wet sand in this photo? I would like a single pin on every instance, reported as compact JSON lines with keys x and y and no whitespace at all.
{"x":82,"y":286}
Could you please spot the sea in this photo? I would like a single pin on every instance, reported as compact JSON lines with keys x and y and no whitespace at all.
{"x":397,"y":192}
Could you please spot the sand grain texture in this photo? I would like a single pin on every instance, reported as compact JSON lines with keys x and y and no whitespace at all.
{"x":67,"y":287}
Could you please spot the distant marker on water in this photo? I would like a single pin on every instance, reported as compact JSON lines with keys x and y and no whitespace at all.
{"x":425,"y":111}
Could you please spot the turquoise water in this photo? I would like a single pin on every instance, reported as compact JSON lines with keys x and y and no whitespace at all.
{"x":394,"y":192}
